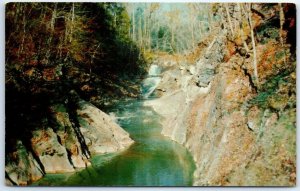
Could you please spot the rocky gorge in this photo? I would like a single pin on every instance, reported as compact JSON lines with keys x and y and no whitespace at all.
{"x":67,"y":146}
{"x":54,"y":89}
{"x":81,"y":109}
{"x":239,"y":135}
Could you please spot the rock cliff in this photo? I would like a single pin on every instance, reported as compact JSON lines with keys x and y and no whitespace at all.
{"x":234,"y":132}
{"x":64,"y":142}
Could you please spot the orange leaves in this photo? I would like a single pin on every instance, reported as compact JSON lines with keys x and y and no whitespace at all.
{"x":256,"y":19}
{"x":33,"y":62}
{"x":48,"y":74}
{"x":267,"y":54}
{"x":78,"y":57}
{"x":86,"y":88}
{"x":30,"y":72}
{"x":200,"y":49}
{"x":289,"y":165}
{"x":243,"y":34}
{"x":231,"y":50}
{"x":193,"y":56}
{"x":238,"y":40}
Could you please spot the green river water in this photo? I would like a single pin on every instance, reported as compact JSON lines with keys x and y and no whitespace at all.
{"x":153,"y":160}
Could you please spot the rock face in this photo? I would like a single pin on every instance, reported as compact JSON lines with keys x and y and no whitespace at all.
{"x":51,"y":153}
{"x":206,"y":66}
{"x":235,"y":135}
{"x":217,"y":133}
{"x":60,"y":144}
{"x":67,"y":137}
{"x":21,"y":167}
{"x":101,"y":133}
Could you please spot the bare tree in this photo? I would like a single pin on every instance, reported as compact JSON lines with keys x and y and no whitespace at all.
{"x":249,"y":14}
{"x":281,"y":15}
{"x":228,"y":19}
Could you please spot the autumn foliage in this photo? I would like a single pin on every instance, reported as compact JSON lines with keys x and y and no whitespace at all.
{"x":53,"y":49}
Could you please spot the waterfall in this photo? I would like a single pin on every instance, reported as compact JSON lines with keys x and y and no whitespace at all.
{"x":152,"y":81}
{"x":154,"y":70}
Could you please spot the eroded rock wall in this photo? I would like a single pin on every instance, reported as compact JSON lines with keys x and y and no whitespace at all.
{"x":237,"y":136}
{"x":63,"y":143}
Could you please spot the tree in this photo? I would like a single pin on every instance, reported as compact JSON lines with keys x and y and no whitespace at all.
{"x":253,"y":44}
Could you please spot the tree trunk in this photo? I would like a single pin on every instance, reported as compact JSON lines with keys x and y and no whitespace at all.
{"x":72,"y":22}
{"x":133,"y":25}
{"x":53,"y":17}
{"x":20,"y":51}
{"x":281,"y":14}
{"x":172,"y":36}
{"x":241,"y":30}
{"x":222,"y":18}
{"x":228,"y":18}
{"x":140,"y":35}
{"x":193,"y":36}
{"x":145,"y":31}
{"x":253,"y":46}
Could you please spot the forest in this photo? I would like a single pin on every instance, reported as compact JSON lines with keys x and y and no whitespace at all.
{"x":76,"y":76}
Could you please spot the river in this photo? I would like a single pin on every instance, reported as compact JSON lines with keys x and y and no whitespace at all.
{"x":153,"y":160}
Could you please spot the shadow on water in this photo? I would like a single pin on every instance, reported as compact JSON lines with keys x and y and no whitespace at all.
{"x":153,"y":160}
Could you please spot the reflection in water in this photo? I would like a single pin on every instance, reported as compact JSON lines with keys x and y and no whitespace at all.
{"x":152,"y":161}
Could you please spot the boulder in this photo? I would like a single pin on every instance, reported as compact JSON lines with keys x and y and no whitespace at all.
{"x":67,"y":136}
{"x":101,"y":133}
{"x":52,"y":154}
{"x":20,"y":167}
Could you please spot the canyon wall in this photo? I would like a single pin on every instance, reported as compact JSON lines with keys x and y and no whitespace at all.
{"x":239,"y":134}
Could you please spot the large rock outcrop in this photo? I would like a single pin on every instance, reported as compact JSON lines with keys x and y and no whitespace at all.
{"x":237,"y":136}
{"x":64,"y":142}
{"x":50,"y":152}
{"x":21,"y":167}
{"x":101,"y":133}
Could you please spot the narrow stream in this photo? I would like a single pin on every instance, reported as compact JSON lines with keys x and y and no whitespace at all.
{"x":153,"y":160}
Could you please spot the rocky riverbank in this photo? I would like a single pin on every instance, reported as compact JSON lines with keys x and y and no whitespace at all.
{"x":238,"y":134}
{"x":224,"y":75}
{"x":60,"y":68}
{"x":64,"y":143}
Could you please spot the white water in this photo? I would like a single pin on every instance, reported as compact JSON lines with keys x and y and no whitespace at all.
{"x":152,"y":161}
{"x":154,"y":70}
{"x":152,"y":81}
